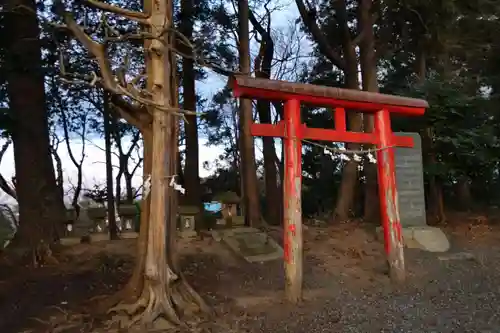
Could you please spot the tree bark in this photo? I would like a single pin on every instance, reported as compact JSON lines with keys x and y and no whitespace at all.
{"x":249,"y":174}
{"x":435,"y":203}
{"x":113,"y":229}
{"x":129,"y":198}
{"x":164,"y":290}
{"x":368,"y":62}
{"x":191,"y":171}
{"x":41,"y":210}
{"x":262,"y":69}
{"x":463,"y":192}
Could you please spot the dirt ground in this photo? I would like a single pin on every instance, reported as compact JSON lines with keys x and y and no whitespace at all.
{"x":346,"y":288}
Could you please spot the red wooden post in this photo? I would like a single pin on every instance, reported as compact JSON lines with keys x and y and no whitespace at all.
{"x":292,"y":242}
{"x":389,"y":207}
{"x":340,"y":120}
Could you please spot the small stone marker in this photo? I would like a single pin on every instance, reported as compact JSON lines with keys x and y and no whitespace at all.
{"x":186,"y":222}
{"x":252,"y":244}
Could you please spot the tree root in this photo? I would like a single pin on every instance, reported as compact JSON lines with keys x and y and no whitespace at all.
{"x":172,"y":302}
{"x":112,"y":303}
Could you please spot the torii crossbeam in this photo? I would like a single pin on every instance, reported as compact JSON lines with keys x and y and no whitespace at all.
{"x":293,"y":132}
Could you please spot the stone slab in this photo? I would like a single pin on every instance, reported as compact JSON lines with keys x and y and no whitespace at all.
{"x":410,"y":183}
{"x":68,"y":241}
{"x":250,"y":243}
{"x":426,"y":238}
{"x":187,"y":234}
{"x":457,"y":256}
{"x":129,"y":234}
{"x":238,"y":220}
{"x":99,"y":237}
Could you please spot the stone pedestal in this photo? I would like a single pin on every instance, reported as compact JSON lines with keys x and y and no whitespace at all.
{"x":250,"y":243}
{"x":426,"y":238}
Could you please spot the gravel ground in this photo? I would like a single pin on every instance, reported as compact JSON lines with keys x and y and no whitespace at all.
{"x":460,"y":295}
{"x":346,"y":289}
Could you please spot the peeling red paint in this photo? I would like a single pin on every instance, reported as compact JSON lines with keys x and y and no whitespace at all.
{"x":286,"y":249}
{"x":393,"y":242}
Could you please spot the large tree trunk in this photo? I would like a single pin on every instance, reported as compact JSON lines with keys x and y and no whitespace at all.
{"x":164,"y":290}
{"x":249,"y":174}
{"x":41,"y":211}
{"x":368,"y":62}
{"x":129,"y":194}
{"x":435,"y":202}
{"x":262,"y":69}
{"x":113,"y":229}
{"x":191,"y":171}
{"x":463,"y":193}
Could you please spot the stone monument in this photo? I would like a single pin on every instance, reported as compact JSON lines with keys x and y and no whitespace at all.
{"x":411,"y":199}
{"x":410,"y":183}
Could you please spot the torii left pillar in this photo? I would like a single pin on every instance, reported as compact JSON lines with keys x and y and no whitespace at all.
{"x":292,"y":201}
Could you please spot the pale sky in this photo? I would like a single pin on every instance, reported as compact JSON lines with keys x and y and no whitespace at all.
{"x":93,"y":165}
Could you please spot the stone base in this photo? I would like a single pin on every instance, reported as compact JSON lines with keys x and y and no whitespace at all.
{"x":129,"y":235}
{"x":99,"y":237}
{"x":250,"y":243}
{"x":68,"y":241}
{"x":187,"y":234}
{"x":427,"y":238}
{"x":238,"y":221}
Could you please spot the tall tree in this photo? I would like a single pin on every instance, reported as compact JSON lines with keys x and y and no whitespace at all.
{"x":369,"y":70}
{"x":191,"y":171}
{"x":41,"y":209}
{"x":161,"y":286}
{"x":247,"y":166}
{"x":262,"y":68}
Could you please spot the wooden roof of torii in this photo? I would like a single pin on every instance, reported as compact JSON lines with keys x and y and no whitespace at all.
{"x":249,"y":87}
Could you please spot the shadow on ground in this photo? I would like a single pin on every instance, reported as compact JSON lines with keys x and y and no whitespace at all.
{"x":346,"y":286}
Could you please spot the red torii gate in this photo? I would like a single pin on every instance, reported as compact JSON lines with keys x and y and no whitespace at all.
{"x":293,"y":131}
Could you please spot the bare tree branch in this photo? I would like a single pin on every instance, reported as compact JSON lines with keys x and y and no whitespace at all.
{"x":133,"y":114}
{"x":4,"y":148}
{"x":108,"y":79}
{"x":309,"y":19}
{"x":132,"y":15}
